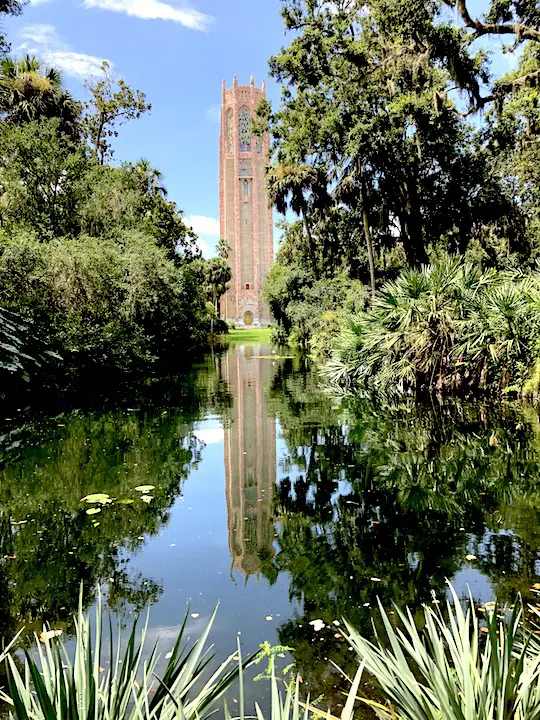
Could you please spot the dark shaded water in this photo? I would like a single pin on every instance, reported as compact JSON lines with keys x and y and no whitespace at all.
{"x":271,"y":497}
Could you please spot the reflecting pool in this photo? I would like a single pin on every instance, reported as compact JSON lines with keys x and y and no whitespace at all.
{"x":244,"y":482}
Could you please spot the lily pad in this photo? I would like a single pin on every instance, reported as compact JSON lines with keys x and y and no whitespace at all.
{"x":126,"y":501}
{"x":100,"y":498}
{"x":147,"y":498}
{"x":93,"y":511}
{"x":145,"y":488}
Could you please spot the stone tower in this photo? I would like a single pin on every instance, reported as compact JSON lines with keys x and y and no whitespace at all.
{"x":245,"y":215}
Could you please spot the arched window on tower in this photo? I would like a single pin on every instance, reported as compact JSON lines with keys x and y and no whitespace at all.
{"x":230,"y":132}
{"x":244,"y":130}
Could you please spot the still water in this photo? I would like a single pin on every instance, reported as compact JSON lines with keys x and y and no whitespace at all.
{"x":284,"y":504}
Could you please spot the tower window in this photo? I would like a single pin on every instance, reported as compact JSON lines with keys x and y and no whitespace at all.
{"x":244,"y":130}
{"x":247,"y":286}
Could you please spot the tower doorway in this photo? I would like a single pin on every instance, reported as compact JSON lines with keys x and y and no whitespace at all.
{"x":248,"y":318}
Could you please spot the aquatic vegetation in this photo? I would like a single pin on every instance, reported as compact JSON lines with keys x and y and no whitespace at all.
{"x":113,"y":681}
{"x":456,"y":666}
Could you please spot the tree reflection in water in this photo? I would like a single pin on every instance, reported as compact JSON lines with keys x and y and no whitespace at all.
{"x":401,"y":493}
{"x":371,"y":499}
{"x":48,"y":543}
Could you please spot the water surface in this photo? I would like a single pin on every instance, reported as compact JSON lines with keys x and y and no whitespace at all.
{"x":275,"y":499}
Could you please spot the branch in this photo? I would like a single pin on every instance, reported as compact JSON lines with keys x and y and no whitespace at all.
{"x":531,"y":79}
{"x":520,"y":31}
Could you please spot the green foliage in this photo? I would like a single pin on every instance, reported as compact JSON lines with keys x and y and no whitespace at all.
{"x":20,"y":353}
{"x":269,"y":653}
{"x":448,"y":670}
{"x":126,"y":198}
{"x":94,"y":258}
{"x":53,"y":684}
{"x":372,"y":150}
{"x":512,"y":134}
{"x":368,"y":147}
{"x":30,"y":92}
{"x":41,"y":170}
{"x":112,"y":103}
{"x":103,"y":302}
{"x":309,"y":312}
{"x":447,"y":327}
{"x":216,"y":275}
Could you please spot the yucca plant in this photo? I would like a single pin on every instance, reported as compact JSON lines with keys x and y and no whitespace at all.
{"x":456,"y":668}
{"x":56,"y":684}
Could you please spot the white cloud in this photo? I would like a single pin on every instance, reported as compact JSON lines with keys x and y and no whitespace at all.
{"x":76,"y":64}
{"x":42,"y":40}
{"x":210,"y":436}
{"x":204,"y":225}
{"x":155,"y":10}
{"x":39,"y":34}
{"x":203,"y":247}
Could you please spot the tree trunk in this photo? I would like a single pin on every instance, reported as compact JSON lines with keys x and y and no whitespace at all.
{"x":367,"y":235}
{"x":415,"y":250}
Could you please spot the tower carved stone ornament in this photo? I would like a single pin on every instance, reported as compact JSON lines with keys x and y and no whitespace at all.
{"x":245,"y":214}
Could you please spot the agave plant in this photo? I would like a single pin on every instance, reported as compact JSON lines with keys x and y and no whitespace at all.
{"x":54,"y":684}
{"x":455,"y":668}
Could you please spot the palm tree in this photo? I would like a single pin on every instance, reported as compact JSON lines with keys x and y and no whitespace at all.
{"x":28,"y":91}
{"x":287,"y":187}
{"x":150,"y":178}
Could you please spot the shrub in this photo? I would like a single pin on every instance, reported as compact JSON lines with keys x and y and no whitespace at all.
{"x":446,"y":327}
{"x":20,"y":353}
{"x":99,"y":301}
{"x":308,"y":312}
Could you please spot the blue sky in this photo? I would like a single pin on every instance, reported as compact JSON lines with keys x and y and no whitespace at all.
{"x":178,"y":53}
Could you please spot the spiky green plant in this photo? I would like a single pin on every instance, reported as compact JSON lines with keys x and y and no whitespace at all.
{"x":452,"y":669}
{"x":445,"y":327}
{"x":56,"y":684}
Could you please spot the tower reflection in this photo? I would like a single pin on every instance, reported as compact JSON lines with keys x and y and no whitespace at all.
{"x":250,"y":460}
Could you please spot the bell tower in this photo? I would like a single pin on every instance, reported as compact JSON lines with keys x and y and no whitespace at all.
{"x":245,"y":214}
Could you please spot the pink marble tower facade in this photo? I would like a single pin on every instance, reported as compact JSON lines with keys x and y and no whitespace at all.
{"x":245,"y":214}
